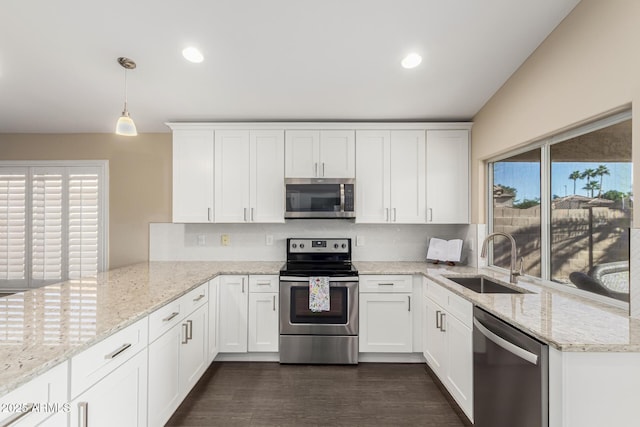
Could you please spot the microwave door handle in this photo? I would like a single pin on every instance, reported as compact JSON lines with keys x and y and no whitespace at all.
{"x":341,"y":197}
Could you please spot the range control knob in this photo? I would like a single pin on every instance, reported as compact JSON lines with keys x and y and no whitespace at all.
{"x":335,"y":246}
{"x":301,"y":245}
{"x":294,"y":245}
{"x":344,"y":246}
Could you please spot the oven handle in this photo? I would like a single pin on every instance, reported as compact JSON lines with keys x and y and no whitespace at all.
{"x":306,"y":279}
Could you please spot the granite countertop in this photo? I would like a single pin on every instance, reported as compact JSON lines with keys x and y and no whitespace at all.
{"x":45,"y":327}
{"x":564,"y":321}
{"x":49,"y":325}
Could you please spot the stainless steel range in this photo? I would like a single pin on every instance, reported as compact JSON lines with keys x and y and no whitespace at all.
{"x":324,"y":337}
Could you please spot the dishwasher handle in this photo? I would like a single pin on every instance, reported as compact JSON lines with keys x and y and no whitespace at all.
{"x":508,"y":346}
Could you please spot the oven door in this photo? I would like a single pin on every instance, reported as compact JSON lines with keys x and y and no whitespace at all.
{"x":297,"y":319}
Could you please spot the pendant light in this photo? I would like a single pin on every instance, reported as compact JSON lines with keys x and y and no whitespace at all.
{"x":125,"y":125}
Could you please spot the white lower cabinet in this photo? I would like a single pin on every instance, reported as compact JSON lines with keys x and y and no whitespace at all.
{"x":178,"y":357}
{"x":263,"y":321}
{"x":212,"y":340}
{"x":118,"y":399}
{"x":248,"y":313}
{"x":448,"y":342}
{"x":24,"y":405}
{"x":233,"y":294}
{"x":385,"y":314}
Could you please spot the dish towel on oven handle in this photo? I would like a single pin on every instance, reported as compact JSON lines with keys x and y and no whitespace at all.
{"x":319,"y":294}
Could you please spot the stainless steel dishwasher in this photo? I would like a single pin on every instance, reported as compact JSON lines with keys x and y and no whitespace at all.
{"x":510,"y":375}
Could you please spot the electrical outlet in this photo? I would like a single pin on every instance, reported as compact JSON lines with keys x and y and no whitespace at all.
{"x":225,"y":240}
{"x":268,"y":240}
{"x":359,"y":240}
{"x":202,"y":240}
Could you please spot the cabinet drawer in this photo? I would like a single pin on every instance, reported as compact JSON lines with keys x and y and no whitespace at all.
{"x":48,"y":388}
{"x":164,"y":318}
{"x":264,"y":283}
{"x":454,"y":304}
{"x":194,"y":299}
{"x":93,"y":364}
{"x":396,"y":283}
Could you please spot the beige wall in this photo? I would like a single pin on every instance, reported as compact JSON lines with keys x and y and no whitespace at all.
{"x":588,"y":66}
{"x":139,"y":180}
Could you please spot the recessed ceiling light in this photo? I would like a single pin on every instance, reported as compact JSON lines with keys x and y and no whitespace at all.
{"x":192,"y":54}
{"x":411,"y":61}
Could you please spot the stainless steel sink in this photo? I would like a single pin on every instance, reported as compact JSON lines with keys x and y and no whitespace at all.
{"x":485,"y":285}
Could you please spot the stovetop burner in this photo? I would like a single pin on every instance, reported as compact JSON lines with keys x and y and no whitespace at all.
{"x":318,"y":257}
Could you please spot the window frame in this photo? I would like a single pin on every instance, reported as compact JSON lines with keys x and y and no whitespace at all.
{"x":103,"y":250}
{"x":544,"y":145}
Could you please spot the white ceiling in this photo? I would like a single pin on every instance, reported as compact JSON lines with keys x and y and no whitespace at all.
{"x":264,"y":59}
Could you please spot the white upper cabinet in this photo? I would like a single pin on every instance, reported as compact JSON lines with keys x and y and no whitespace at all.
{"x":192,"y":176}
{"x":320,"y":154}
{"x":266,"y":193}
{"x":232,"y":176}
{"x":390,"y":177}
{"x":448,"y":176}
{"x":249,"y":176}
{"x":372,"y":176}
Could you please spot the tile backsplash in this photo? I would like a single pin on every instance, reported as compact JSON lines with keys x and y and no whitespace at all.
{"x":379,"y":242}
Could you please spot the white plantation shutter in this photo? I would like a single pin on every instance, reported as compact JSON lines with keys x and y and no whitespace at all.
{"x":84,"y":224}
{"x":52,"y":222}
{"x":13,"y":225}
{"x":47,"y":219}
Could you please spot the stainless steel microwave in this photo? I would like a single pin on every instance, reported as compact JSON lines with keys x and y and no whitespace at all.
{"x":319,"y":198}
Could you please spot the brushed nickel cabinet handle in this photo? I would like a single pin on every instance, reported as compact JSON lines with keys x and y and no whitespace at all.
{"x":199,"y":298}
{"x":430,"y":215}
{"x":322,"y":168}
{"x":438,"y":319}
{"x":386,"y":215}
{"x":17,"y":417}
{"x":83,"y":414}
{"x":409,"y":307}
{"x":315,"y":173}
{"x":274,"y":303}
{"x":251,"y":214}
{"x":185,"y":332}
{"x":171,"y":316}
{"x":386,"y":284}
{"x":189,"y":330}
{"x":245,"y":214}
{"x":442,"y":319}
{"x":243,"y":285}
{"x":395,"y":216}
{"x":209,"y":214}
{"x":115,"y":353}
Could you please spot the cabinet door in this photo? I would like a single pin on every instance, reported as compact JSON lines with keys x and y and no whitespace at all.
{"x":267,"y":176}
{"x":301,"y":153}
{"x":385,"y":323}
{"x":337,"y":154}
{"x":164,"y":376}
{"x":193,"y":349}
{"x":435,"y":346}
{"x":212,"y":341}
{"x":192,"y":176}
{"x":264,"y":330}
{"x":408,"y":177}
{"x":372,"y":176}
{"x":233,"y":306}
{"x":459,"y":370}
{"x":232,"y":176}
{"x":119,"y":399}
{"x":448,"y":176}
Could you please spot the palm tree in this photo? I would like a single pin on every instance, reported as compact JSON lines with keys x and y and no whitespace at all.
{"x":591,"y":186}
{"x":601,"y":171}
{"x":575,"y":175}
{"x":588,"y":174}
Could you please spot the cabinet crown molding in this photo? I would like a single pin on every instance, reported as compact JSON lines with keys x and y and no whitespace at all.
{"x":320,"y":125}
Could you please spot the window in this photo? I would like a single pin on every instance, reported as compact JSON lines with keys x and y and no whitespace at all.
{"x":52,"y":222}
{"x":568,"y":203}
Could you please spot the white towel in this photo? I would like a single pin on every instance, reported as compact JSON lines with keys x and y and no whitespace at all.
{"x":319,"y":294}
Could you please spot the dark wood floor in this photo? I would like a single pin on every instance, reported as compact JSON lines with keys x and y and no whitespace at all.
{"x":270,"y":394}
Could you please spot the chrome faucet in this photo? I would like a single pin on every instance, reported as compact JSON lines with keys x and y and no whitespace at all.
{"x":513,"y":273}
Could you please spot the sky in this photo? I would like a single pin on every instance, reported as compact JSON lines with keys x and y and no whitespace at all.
{"x":525,"y":177}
